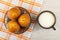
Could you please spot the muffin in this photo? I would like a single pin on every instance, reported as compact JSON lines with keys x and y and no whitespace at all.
{"x":13,"y":26}
{"x":14,"y":13}
{"x":24,"y":20}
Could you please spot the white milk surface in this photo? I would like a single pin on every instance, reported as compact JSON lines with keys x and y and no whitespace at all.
{"x":46,"y":19}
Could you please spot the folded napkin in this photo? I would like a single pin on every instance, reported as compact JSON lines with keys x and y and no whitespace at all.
{"x":33,"y":6}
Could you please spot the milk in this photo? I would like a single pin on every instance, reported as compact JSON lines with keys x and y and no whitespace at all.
{"x":46,"y":19}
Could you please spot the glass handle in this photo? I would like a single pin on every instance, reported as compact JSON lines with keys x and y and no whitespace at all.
{"x":54,"y":28}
